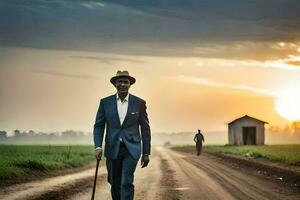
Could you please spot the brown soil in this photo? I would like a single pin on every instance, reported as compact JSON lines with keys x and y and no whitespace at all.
{"x":210,"y":177}
{"x":68,"y":190}
{"x":286,"y":175}
{"x":37,"y":175}
{"x":168,"y":182}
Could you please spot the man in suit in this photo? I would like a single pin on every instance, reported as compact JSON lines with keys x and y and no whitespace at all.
{"x":127,"y":125}
{"x":198,"y":139}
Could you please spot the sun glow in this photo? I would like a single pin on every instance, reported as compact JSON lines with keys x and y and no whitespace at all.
{"x":288,"y":104}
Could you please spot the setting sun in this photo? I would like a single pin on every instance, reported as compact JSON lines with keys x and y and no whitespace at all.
{"x":288,"y":104}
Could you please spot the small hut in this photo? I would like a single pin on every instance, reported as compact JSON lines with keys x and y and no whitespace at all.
{"x":246,"y":130}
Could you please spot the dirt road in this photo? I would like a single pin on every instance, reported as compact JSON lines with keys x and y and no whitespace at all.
{"x":170,"y":175}
{"x":204,"y":177}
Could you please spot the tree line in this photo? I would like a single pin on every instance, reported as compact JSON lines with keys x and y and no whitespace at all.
{"x":32,"y":137}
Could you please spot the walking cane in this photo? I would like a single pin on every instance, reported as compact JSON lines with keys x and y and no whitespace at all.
{"x":95,"y":179}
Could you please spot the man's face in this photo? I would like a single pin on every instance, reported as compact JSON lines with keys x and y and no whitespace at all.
{"x":122,"y":85}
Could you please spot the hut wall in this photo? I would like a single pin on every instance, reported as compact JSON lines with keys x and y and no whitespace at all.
{"x":231,"y":135}
{"x":235,"y":131}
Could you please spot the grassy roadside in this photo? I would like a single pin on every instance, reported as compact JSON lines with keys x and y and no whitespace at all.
{"x":288,"y":154}
{"x":20,"y":160}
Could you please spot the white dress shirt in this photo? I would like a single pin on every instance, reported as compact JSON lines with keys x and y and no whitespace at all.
{"x":122,"y":107}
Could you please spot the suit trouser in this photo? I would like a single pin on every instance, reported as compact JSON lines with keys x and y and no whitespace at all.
{"x":199,"y":148}
{"x":121,"y":174}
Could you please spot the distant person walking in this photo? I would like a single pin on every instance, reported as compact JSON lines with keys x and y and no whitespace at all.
{"x":198,"y":140}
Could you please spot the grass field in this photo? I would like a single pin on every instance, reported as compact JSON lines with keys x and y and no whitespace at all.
{"x":22,"y":160}
{"x":289,"y":154}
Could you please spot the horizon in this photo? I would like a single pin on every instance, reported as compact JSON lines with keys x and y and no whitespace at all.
{"x":179,"y":138}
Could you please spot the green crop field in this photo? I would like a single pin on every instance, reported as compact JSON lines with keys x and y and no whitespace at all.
{"x":289,"y":154}
{"x":16,"y":161}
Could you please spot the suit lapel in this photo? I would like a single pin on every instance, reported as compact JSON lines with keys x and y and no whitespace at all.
{"x":129,"y":109}
{"x":115,"y":110}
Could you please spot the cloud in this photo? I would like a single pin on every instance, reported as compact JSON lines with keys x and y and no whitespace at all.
{"x":294,"y":63}
{"x":108,"y":60}
{"x":209,"y":28}
{"x":92,"y":5}
{"x":290,"y":63}
{"x":210,"y":83}
{"x":55,"y":73}
{"x":246,"y":50}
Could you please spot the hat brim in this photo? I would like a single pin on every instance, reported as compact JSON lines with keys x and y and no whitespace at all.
{"x":115,"y":78}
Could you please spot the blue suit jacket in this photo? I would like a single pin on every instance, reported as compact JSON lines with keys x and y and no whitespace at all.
{"x":134,"y":129}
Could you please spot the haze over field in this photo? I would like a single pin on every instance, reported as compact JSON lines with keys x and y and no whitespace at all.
{"x":199,"y":64}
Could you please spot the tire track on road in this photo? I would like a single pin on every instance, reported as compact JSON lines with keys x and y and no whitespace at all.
{"x":36,"y":189}
{"x":196,"y":184}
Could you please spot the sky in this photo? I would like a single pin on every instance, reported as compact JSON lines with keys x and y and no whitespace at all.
{"x":198,"y":64}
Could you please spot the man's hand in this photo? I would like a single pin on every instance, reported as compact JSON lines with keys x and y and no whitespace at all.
{"x":145,"y":160}
{"x":98,"y":154}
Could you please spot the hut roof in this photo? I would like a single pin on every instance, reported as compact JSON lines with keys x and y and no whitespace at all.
{"x":246,"y":116}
